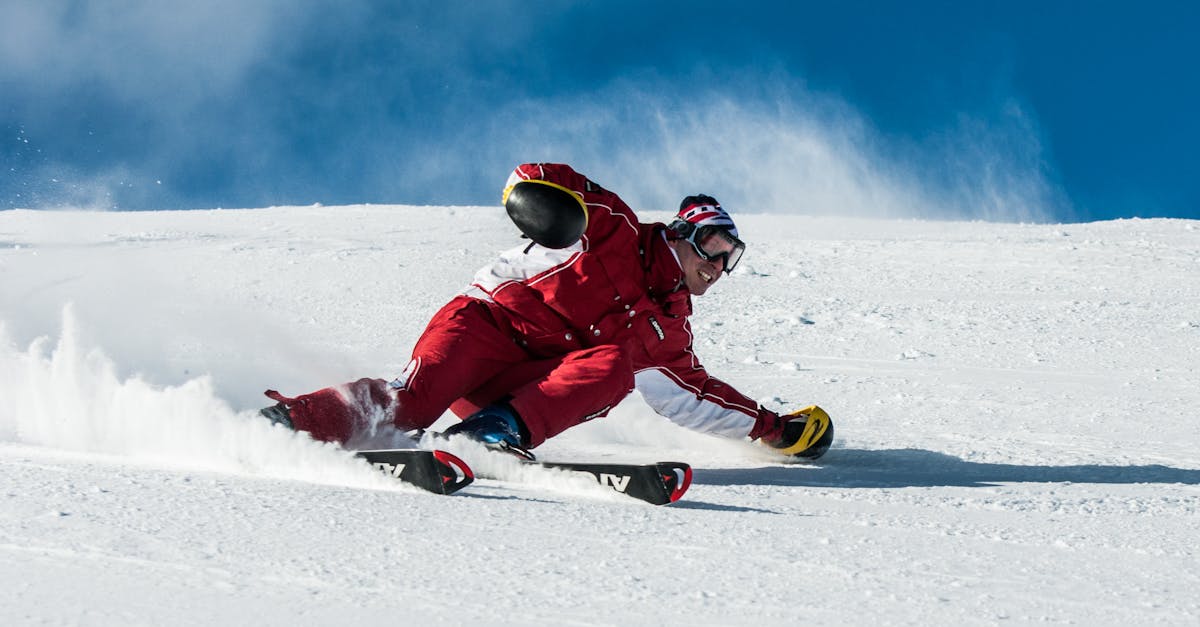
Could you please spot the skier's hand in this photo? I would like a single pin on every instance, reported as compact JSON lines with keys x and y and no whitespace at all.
{"x":804,"y":433}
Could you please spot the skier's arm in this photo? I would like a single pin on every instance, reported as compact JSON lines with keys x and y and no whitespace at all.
{"x":682,"y":390}
{"x":694,"y":400}
{"x":679,"y":388}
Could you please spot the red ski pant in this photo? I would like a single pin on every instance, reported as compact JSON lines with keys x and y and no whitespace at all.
{"x":467,"y":359}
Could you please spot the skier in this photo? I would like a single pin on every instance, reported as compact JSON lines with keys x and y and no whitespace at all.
{"x":557,"y":332}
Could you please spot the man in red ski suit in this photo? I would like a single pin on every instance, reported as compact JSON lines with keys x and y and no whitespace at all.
{"x":557,"y":332}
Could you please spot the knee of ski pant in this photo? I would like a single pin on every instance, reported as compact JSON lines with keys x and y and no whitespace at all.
{"x":615,"y":363}
{"x":585,"y":386}
{"x":543,"y":422}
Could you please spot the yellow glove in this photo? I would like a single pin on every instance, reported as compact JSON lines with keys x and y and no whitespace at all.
{"x":806,"y":433}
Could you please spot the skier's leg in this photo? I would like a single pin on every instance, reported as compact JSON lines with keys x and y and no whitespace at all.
{"x":460,"y":349}
{"x":583,"y":385}
{"x":333,"y":414}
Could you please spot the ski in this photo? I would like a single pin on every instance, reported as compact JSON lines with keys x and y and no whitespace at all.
{"x":659,"y":483}
{"x":436,"y":471}
{"x":443,"y":473}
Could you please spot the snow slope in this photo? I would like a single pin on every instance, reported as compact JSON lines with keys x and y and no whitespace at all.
{"x":1015,"y":408}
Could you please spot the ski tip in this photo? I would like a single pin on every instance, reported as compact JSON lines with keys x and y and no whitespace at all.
{"x":677,"y":478}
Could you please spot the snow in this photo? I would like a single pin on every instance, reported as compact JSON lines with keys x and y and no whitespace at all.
{"x":1015,"y":408}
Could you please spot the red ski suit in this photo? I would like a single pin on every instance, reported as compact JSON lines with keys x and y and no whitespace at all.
{"x":562,"y":334}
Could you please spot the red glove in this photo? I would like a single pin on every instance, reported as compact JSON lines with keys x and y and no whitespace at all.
{"x":806,"y":433}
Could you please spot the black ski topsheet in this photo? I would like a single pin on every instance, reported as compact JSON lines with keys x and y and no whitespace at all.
{"x":659,"y":483}
{"x":436,"y":471}
{"x":443,"y":473}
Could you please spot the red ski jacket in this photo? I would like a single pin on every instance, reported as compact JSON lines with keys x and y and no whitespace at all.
{"x":621,"y":283}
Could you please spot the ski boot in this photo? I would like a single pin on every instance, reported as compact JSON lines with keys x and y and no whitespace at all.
{"x":496,"y":426}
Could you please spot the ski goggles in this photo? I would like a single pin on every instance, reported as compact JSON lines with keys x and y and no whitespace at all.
{"x":712,"y":243}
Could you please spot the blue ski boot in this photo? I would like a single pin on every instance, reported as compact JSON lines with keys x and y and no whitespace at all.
{"x":497,"y":427}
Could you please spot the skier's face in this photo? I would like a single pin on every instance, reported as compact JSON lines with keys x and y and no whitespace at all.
{"x":699,"y":274}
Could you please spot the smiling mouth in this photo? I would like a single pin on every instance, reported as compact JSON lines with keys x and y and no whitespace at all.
{"x":708,"y":278}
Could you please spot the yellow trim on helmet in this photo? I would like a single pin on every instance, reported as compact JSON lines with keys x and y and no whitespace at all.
{"x":573,"y":193}
{"x":816,"y":426}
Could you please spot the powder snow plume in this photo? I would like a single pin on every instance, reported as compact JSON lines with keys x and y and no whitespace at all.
{"x":62,"y":394}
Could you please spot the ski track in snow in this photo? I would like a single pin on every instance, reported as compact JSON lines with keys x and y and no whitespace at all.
{"x":1015,"y":409}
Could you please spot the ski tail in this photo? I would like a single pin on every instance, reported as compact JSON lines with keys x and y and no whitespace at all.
{"x":436,"y":471}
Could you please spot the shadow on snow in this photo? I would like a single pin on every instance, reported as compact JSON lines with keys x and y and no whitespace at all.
{"x":907,"y":468}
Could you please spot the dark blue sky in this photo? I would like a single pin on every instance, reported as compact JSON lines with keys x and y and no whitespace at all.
{"x":1058,"y":111}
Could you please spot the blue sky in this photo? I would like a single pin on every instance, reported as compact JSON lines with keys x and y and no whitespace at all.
{"x":1045,"y":111}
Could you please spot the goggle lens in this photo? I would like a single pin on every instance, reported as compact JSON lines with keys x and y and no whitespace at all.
{"x":712,"y":243}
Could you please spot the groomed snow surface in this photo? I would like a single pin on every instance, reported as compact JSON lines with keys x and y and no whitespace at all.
{"x":1016,"y":412}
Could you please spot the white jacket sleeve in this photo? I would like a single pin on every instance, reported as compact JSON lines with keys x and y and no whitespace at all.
{"x":691,"y":407}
